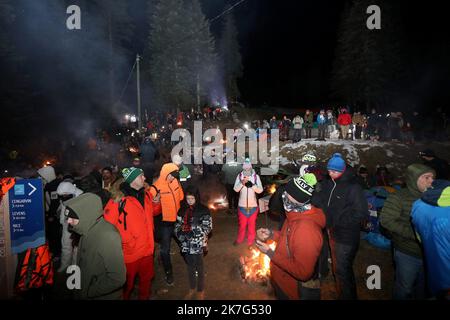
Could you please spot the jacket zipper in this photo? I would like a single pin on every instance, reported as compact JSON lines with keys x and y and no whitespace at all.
{"x":173,"y":196}
{"x":288,"y":231}
{"x":331,"y":194}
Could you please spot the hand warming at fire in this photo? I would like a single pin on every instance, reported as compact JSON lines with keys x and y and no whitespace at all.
{"x":263,"y":234}
{"x":264,"y":248}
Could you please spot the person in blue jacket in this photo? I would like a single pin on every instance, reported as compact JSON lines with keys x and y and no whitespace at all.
{"x":431,"y":219}
{"x":322,"y":125}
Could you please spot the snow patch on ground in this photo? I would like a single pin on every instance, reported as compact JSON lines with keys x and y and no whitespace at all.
{"x":389,"y":153}
{"x":352,"y":157}
{"x":284,"y":161}
{"x":302,"y":144}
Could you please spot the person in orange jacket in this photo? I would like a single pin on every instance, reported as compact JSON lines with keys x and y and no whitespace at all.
{"x":171,"y":193}
{"x":133,"y":215}
{"x":294,"y":265}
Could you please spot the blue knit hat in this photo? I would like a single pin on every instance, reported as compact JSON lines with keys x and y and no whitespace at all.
{"x":336,"y":163}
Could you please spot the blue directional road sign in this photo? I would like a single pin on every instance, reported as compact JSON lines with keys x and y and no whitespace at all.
{"x":26,"y":210}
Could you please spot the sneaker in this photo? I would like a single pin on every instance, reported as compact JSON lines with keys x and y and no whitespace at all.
{"x":169,"y":278}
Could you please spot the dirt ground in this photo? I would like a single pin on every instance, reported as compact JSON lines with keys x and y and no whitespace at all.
{"x":223,"y":280}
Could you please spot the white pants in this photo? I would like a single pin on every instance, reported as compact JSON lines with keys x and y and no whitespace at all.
{"x":67,"y":251}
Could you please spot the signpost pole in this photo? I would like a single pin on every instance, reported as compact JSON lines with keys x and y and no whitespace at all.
{"x":8,"y":261}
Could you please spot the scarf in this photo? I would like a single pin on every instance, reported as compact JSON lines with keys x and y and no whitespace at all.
{"x":187,"y":227}
{"x":290,"y":206}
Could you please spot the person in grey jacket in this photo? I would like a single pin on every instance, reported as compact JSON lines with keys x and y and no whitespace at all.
{"x":100,"y":256}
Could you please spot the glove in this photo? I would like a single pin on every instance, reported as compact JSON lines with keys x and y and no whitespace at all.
{"x":249,"y":184}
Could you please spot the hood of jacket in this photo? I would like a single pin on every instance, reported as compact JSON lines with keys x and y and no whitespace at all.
{"x":413,"y":172}
{"x":48,"y":173}
{"x":167,"y":169}
{"x":88,"y":208}
{"x":315,"y":214}
{"x":438,"y":195}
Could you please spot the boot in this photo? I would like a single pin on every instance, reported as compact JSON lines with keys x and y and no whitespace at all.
{"x":169,"y":278}
{"x":190,"y":295}
{"x":201,"y":295}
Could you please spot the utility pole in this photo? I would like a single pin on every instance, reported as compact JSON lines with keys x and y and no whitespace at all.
{"x":138,"y":58}
{"x":198,"y":92}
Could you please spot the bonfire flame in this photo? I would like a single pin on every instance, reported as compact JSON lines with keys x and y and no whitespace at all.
{"x":272,"y":188}
{"x":257,"y":267}
{"x":218,"y":203}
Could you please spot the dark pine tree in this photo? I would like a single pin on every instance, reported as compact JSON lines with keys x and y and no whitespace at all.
{"x":168,"y":64}
{"x":368,"y":64}
{"x":202,"y":59}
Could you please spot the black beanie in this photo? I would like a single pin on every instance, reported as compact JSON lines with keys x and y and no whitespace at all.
{"x":71,"y":214}
{"x":301,"y":188}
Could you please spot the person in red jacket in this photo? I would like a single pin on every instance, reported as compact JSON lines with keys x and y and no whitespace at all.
{"x":344,"y":120}
{"x":294,"y":263}
{"x":133,"y":217}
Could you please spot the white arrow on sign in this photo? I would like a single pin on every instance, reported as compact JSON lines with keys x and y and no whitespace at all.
{"x":32,"y":191}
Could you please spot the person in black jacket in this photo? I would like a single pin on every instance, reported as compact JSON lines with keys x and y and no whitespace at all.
{"x":276,"y":205}
{"x":192,"y":227}
{"x":345,"y":206}
{"x":53,"y":229}
{"x":439,"y":165}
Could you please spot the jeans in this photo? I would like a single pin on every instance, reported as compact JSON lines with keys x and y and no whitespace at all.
{"x":297,"y":135}
{"x":343,"y":256}
{"x":358,"y":132}
{"x":409,"y":277}
{"x":322,"y":130}
{"x":308,"y":132}
{"x":303,"y":292}
{"x":195,"y":264}
{"x":166,"y":233}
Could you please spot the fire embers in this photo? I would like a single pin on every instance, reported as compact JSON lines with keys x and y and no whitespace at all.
{"x":218,"y":204}
{"x":256,"y":268}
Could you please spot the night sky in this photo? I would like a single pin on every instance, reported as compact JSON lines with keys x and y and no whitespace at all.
{"x":288,"y":49}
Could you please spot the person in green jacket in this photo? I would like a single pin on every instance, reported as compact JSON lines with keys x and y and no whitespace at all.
{"x":308,"y":123}
{"x":184,"y":172}
{"x":100,"y":256}
{"x":396,"y":219}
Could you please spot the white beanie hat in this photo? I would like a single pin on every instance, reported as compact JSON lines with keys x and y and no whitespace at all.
{"x":65,"y":188}
{"x":48,"y":173}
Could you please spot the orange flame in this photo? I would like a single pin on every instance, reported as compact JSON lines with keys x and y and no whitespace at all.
{"x":272,"y":188}
{"x":257,"y":266}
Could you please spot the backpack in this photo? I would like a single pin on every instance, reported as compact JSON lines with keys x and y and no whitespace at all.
{"x":122,"y":211}
{"x":34,"y":269}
